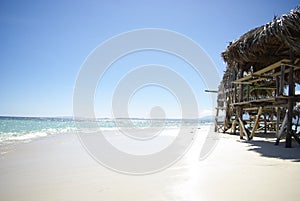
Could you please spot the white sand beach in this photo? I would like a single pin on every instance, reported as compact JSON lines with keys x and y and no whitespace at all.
{"x":58,"y":168}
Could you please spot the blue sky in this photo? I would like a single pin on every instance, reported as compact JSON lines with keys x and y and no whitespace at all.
{"x":44,"y":43}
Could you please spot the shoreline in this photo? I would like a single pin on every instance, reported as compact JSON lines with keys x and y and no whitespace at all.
{"x":57,"y":167}
{"x":10,"y":143}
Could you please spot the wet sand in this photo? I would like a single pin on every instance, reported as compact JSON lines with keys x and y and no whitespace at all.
{"x":59,"y":168}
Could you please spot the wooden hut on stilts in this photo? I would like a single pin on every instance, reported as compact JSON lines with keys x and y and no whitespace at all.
{"x":257,"y":92}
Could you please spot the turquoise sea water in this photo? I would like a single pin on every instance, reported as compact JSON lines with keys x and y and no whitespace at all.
{"x":26,"y":128}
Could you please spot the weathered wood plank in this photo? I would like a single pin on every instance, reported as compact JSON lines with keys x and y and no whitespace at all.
{"x":271,"y":67}
{"x":264,"y":70}
{"x":273,"y":75}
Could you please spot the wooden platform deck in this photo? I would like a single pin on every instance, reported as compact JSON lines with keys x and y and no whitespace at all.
{"x":266,"y":93}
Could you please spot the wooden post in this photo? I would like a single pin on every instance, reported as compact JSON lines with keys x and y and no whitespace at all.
{"x":248,"y":92}
{"x":234,"y":94}
{"x":227,"y":116}
{"x":241,"y":93}
{"x":238,"y":117}
{"x":265,"y":123}
{"x":281,"y":131}
{"x":234,"y":127}
{"x":243,"y":130}
{"x":216,"y":119}
{"x":288,"y":141}
{"x":281,"y":81}
{"x":256,"y":122}
{"x":240,"y":99}
{"x":271,"y":119}
{"x":241,"y":89}
{"x":277,"y":86}
{"x":277,"y":120}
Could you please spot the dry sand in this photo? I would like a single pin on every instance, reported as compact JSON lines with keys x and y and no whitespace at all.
{"x":58,"y":168}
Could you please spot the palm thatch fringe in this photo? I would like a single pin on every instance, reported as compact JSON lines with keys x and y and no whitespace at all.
{"x":266,"y":44}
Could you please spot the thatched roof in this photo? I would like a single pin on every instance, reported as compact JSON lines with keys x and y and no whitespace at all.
{"x":266,"y":44}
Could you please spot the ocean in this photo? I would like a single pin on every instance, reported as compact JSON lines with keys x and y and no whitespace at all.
{"x":27,"y":128}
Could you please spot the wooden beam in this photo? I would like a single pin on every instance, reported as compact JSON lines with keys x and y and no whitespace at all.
{"x":244,"y":78}
{"x":239,"y":82}
{"x":256,"y":80}
{"x":273,"y":100}
{"x":256,"y":122}
{"x":290,"y":65}
{"x":263,"y":78}
{"x":211,"y":91}
{"x":284,"y":72}
{"x":264,"y":88}
{"x":264,"y":70}
{"x":271,"y":67}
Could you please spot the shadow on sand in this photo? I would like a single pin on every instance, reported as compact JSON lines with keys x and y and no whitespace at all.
{"x":269,"y":149}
